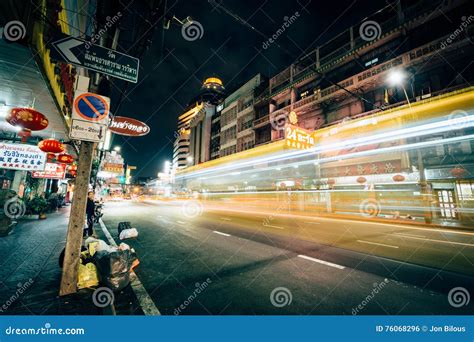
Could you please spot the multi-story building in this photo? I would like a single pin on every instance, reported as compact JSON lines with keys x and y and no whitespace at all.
{"x":182,"y":136}
{"x":236,"y":119}
{"x":340,"y":91}
{"x":211,"y":96}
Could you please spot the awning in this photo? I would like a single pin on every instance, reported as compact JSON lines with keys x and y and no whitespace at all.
{"x":23,"y":85}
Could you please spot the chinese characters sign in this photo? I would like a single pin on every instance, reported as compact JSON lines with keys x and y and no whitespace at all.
{"x":21,"y":157}
{"x":299,"y":138}
{"x":51,"y":171}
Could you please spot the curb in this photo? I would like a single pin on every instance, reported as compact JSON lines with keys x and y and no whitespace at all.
{"x":146,"y":303}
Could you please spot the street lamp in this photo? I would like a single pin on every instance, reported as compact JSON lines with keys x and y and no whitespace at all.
{"x":117,"y":148}
{"x":396,"y":77}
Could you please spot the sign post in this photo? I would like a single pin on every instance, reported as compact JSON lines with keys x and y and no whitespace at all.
{"x":89,"y":124}
{"x":76,"y":221}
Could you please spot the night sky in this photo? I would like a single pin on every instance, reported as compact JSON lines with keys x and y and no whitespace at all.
{"x":228,"y":50}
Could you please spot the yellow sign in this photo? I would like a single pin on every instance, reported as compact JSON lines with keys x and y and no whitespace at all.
{"x":299,"y":138}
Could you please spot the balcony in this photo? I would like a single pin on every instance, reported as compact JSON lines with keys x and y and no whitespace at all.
{"x":261,"y":121}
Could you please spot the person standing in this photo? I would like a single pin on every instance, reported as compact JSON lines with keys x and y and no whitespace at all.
{"x":90,"y":211}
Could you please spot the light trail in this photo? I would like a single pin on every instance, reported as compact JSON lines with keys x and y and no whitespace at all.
{"x":405,"y":133}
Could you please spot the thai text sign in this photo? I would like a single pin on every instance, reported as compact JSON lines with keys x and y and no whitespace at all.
{"x":296,"y":137}
{"x":21,"y":157}
{"x":51,"y":171}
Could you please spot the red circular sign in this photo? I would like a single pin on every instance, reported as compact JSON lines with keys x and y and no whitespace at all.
{"x":128,"y":126}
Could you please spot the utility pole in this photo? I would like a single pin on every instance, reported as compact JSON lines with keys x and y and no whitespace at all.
{"x":77,"y":220}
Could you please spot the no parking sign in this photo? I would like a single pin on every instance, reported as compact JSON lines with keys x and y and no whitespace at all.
{"x":90,"y":115}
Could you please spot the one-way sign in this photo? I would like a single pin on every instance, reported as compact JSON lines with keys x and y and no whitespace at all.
{"x":97,"y":58}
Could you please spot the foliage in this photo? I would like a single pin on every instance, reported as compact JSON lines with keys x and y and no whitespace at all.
{"x":37,"y":205}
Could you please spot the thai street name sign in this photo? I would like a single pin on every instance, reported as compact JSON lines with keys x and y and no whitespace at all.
{"x":21,"y":157}
{"x":128,"y":126}
{"x":79,"y":52}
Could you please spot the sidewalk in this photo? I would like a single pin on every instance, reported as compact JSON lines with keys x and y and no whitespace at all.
{"x":30,"y":274}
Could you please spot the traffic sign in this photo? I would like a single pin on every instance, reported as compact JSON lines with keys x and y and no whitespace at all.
{"x":91,"y":107}
{"x":97,"y":58}
{"x":87,"y":131}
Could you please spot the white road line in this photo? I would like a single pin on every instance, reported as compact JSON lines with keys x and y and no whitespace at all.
{"x":226,"y":219}
{"x":439,"y":241}
{"x":146,"y":303}
{"x":376,"y":243}
{"x":405,"y":234}
{"x":181,"y":222}
{"x":321,"y":262}
{"x":220,"y":233}
{"x":272,"y":226}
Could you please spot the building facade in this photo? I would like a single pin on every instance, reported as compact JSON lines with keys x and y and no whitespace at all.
{"x":237,"y":116}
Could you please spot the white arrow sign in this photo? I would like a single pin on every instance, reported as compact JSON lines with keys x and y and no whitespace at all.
{"x":65,"y":46}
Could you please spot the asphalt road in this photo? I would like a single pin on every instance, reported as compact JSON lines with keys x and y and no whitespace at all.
{"x":198,"y":259}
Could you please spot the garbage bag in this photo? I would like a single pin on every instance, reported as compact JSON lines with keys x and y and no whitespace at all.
{"x":123,"y":225}
{"x":114,"y":268}
{"x":95,"y":245}
{"x":87,"y":276}
{"x":128,"y":234}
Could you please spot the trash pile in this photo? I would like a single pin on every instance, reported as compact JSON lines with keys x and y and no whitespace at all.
{"x":126,"y":231}
{"x":106,"y":265}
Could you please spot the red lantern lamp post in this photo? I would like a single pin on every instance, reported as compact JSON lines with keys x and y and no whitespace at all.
{"x":51,"y":146}
{"x":65,"y":158}
{"x":28,"y":119}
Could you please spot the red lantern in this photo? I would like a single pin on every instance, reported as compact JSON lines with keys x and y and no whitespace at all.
{"x":72,"y":167}
{"x":458,"y":171}
{"x":51,"y":146}
{"x":65,"y":158}
{"x":28,"y":119}
{"x":398,"y":178}
{"x":73,"y":173}
{"x":361,"y":180}
{"x":50,"y":157}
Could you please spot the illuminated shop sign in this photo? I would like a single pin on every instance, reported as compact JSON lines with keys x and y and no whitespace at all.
{"x":296,"y":137}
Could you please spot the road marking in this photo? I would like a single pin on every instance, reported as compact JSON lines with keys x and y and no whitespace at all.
{"x":220,"y":233}
{"x":313,"y":222}
{"x":181,"y":222}
{"x":226,"y":219}
{"x":376,"y":243}
{"x":272,"y":226}
{"x":146,"y":303}
{"x":321,"y":262}
{"x":405,"y":234}
{"x":439,"y":241}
